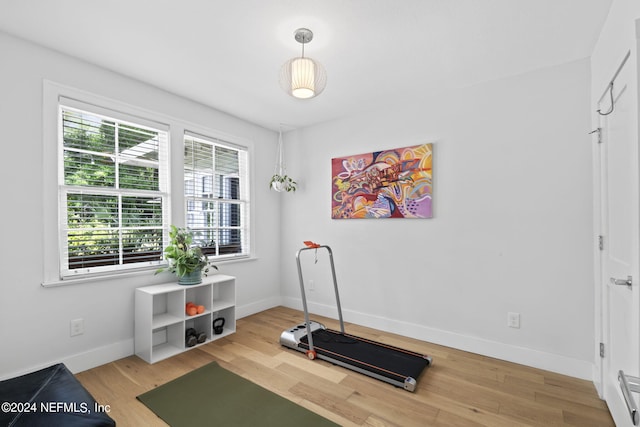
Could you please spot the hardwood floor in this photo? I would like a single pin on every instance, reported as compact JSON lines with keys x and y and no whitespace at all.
{"x":459,"y":389}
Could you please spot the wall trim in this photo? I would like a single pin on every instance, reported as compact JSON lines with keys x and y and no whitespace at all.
{"x":86,"y":360}
{"x":525,"y":356}
{"x":551,"y":362}
{"x":101,"y":355}
{"x":257,"y":306}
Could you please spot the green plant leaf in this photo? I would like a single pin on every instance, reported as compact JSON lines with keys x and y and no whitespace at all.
{"x":183,"y":256}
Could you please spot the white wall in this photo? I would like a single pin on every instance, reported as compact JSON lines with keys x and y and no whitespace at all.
{"x":511,"y":230}
{"x":34,"y":320}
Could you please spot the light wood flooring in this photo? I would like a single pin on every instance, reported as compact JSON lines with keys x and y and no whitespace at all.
{"x":459,"y":389}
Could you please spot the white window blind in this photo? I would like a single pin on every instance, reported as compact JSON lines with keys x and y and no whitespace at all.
{"x":113,"y":188}
{"x":217,"y":195}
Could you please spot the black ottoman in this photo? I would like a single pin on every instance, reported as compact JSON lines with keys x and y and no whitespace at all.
{"x":49,"y":397}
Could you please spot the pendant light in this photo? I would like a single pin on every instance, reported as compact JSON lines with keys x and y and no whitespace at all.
{"x":303,"y":77}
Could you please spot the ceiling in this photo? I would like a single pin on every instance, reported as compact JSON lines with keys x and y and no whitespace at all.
{"x":228,"y":54}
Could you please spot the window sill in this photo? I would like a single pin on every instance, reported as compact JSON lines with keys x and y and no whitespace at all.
{"x":146,"y":271}
{"x":66,"y":281}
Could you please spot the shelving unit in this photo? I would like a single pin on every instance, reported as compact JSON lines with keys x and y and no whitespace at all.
{"x":161,"y":321}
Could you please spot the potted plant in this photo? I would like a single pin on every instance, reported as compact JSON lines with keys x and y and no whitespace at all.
{"x":282,"y":183}
{"x":186,"y":261}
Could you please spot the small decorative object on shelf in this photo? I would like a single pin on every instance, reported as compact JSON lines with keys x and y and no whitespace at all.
{"x":186,"y":260}
{"x":218,"y":325}
{"x":192,"y":337}
{"x":192,"y":309}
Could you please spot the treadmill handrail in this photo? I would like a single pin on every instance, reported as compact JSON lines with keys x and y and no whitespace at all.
{"x":304,"y":297}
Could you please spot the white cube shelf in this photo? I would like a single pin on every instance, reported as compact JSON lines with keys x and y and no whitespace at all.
{"x":161,"y":320}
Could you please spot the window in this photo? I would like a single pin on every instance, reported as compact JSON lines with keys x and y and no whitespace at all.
{"x":113,"y":190}
{"x":217,"y":195}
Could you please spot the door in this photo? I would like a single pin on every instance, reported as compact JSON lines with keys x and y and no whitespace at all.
{"x":619,"y":218}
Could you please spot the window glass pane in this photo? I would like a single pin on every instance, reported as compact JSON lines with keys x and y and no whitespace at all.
{"x":205,"y":237}
{"x":92,"y":239}
{"x":136,"y":142}
{"x":139,"y":176}
{"x":90,"y":170}
{"x":230,"y":241}
{"x":226,"y":161}
{"x":142,"y":245}
{"x":198,"y":157}
{"x":92,"y":211}
{"x":208,"y":208}
{"x":92,"y":247}
{"x":88,"y":132}
{"x":230,"y":215}
{"x":141,"y":212}
{"x":138,"y":158}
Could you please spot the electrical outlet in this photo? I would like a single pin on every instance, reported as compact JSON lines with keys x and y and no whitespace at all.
{"x":513,"y":320}
{"x":312,"y":285}
{"x":77,"y":327}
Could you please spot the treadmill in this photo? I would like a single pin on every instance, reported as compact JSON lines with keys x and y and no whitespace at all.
{"x":384,"y":362}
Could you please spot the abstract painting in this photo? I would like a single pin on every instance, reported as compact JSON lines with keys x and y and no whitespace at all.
{"x":394,"y":183}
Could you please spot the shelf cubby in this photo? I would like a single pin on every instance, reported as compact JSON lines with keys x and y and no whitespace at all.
{"x":161,"y":320}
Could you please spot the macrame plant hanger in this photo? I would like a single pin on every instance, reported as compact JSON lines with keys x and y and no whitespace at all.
{"x":280,"y":181}
{"x":280,"y":168}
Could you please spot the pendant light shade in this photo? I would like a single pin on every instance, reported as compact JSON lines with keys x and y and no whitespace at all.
{"x":303,"y":77}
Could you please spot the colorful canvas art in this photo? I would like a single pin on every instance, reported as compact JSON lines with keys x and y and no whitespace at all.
{"x":384,"y":184}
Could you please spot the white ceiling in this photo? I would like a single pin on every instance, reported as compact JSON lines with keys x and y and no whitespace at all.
{"x":228,"y":54}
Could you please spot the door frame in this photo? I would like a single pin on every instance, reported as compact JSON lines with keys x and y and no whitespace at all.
{"x":600,"y":334}
{"x":598,"y":141}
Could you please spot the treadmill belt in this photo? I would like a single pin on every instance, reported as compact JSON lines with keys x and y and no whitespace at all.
{"x":385,"y":360}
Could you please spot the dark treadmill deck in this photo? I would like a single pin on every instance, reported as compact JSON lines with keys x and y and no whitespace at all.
{"x":390,"y":362}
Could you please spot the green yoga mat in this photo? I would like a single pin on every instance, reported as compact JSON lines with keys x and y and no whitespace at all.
{"x":213,"y":396}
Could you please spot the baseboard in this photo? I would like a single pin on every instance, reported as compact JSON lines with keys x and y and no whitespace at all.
{"x":82,"y":361}
{"x":99,"y":356}
{"x":257,"y":306}
{"x":525,"y":356}
{"x":597,"y":381}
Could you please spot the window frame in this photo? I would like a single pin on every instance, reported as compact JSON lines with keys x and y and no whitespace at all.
{"x":120,"y":257}
{"x":51,"y":93}
{"x":243,"y":201}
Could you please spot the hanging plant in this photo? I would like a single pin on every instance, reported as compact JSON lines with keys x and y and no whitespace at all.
{"x":280,"y":181}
